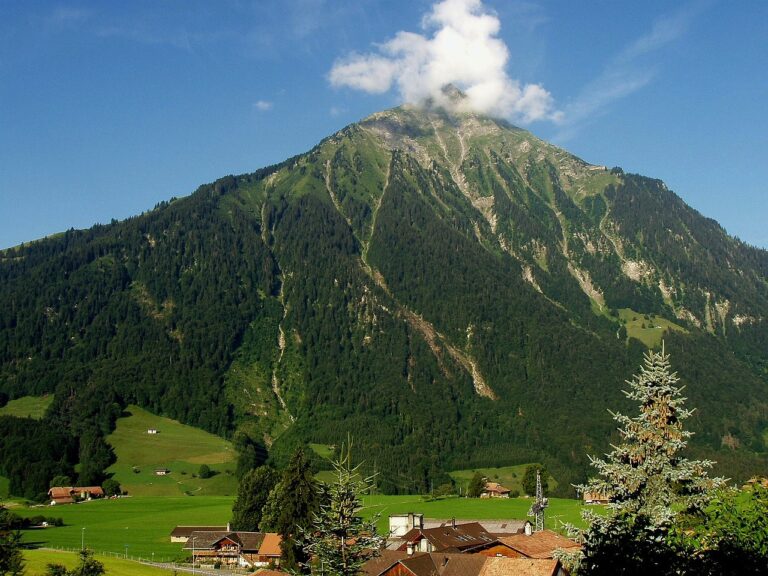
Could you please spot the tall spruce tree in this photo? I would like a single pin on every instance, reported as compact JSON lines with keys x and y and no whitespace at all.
{"x":290,"y":507}
{"x":339,"y":541}
{"x":252,"y":494}
{"x":652,"y":486}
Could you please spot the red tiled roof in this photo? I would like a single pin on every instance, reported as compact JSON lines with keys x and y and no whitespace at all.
{"x":270,"y":546}
{"x":519,"y":567}
{"x":539,"y":544}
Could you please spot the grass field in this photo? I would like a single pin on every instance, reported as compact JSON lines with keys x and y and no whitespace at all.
{"x":37,"y":560}
{"x":180,"y":448}
{"x":649,"y":330}
{"x":560,"y":510}
{"x":144,"y":524}
{"x":27,"y":407}
{"x":510,"y":477}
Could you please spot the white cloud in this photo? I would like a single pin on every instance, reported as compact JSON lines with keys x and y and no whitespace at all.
{"x":263,"y":105}
{"x":464,"y":50}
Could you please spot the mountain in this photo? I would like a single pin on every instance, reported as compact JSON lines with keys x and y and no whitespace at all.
{"x":446,"y":288}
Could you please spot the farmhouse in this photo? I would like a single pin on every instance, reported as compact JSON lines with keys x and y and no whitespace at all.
{"x":494,"y":490}
{"x":455,"y":538}
{"x":182,"y":533}
{"x":162,"y":471}
{"x":442,"y":564}
{"x":232,"y":548}
{"x":538,"y":545}
{"x":72,"y":494}
{"x":596,"y":498}
{"x":152,"y":430}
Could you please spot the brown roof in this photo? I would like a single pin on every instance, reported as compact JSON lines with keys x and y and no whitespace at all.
{"x":449,"y":538}
{"x":60,"y":491}
{"x":270,"y":545}
{"x":92,"y":490}
{"x":519,"y":567}
{"x":539,"y":544}
{"x":384,"y":560}
{"x":496,"y":487}
{"x":206,"y":540}
{"x":185,"y":531}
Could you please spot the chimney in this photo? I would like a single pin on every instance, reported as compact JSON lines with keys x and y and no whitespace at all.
{"x":453,"y":522}
{"x":229,"y":527}
{"x":528,"y":528}
{"x":409,"y":548}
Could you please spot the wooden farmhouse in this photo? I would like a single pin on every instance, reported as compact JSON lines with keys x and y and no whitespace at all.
{"x":234,"y":549}
{"x":445,"y":564}
{"x":182,"y":533}
{"x":494,"y":490}
{"x":72,"y":494}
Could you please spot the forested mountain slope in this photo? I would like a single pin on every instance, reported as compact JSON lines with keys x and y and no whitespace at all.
{"x":448,"y":289}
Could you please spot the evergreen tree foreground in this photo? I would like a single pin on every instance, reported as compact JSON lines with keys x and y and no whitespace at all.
{"x":340,"y":541}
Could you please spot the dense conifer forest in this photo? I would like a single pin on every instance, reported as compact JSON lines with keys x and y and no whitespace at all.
{"x":445,"y":290}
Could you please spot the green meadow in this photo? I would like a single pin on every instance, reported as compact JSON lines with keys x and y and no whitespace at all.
{"x":510,"y":477}
{"x":27,"y":407}
{"x":648,"y":328}
{"x":37,"y":560}
{"x":177,"y":447}
{"x":144,"y":524}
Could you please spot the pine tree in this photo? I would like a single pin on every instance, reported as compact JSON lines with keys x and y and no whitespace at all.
{"x":339,"y":541}
{"x":476,"y":486}
{"x":252,"y":494}
{"x":651,"y":485}
{"x":289,"y":508}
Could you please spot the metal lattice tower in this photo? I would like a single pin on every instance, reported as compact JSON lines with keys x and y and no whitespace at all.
{"x":538,"y":506}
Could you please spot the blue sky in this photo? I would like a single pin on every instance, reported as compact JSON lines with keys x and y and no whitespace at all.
{"x":107,"y":107}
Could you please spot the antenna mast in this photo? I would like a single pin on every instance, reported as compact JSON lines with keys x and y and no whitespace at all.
{"x":538,"y":506}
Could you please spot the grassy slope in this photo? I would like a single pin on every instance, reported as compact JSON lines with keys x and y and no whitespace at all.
{"x":178,"y":447}
{"x":37,"y":560}
{"x":649,"y":332}
{"x":146,"y":523}
{"x":508,"y":476}
{"x":27,"y":407}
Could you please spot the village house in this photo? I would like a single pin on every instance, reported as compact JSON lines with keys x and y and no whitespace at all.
{"x":494,"y":490}
{"x":455,"y":538}
{"x":72,"y":494}
{"x":596,"y":498}
{"x":538,"y":545}
{"x":182,"y":533}
{"x":162,"y":471}
{"x":444,"y":564}
{"x":234,"y":549}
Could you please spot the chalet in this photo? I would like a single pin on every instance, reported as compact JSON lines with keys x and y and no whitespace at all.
{"x":182,"y":533}
{"x":538,"y":545}
{"x":72,"y":494}
{"x":596,"y":497}
{"x":494,"y":490}
{"x":162,"y":471}
{"x":455,"y":538}
{"x":442,"y":564}
{"x":233,"y":549}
